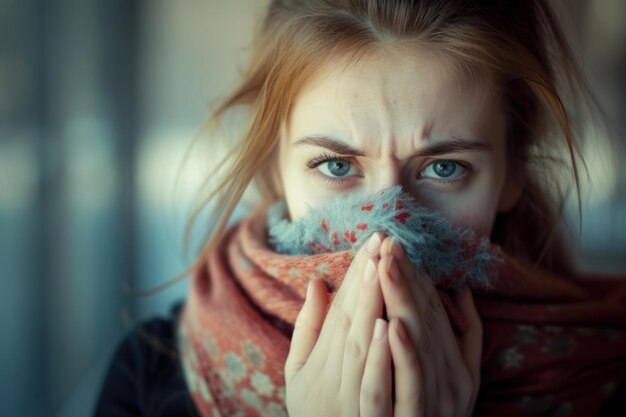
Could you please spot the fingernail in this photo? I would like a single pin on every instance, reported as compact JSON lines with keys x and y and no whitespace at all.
{"x":396,"y":249}
{"x":373,"y":244}
{"x":391,"y":268}
{"x":370,"y":272}
{"x":401,"y":331}
{"x":379,"y":329}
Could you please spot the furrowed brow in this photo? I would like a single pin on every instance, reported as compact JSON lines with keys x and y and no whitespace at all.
{"x":451,"y":145}
{"x":334,"y":145}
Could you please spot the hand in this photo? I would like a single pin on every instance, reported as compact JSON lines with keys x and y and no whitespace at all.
{"x":440,"y":378}
{"x":335,"y":367}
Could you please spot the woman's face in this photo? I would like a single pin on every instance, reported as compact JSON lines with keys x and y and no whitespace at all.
{"x":398,"y":118}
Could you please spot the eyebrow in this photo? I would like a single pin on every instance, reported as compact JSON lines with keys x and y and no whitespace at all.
{"x":450,"y":145}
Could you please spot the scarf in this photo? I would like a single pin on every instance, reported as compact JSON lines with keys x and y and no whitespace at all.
{"x":552,"y":345}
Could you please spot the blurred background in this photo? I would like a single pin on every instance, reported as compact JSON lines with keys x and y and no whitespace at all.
{"x":99,"y":101}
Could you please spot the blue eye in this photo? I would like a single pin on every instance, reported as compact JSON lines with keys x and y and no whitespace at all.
{"x":444,"y":169}
{"x":333,"y":168}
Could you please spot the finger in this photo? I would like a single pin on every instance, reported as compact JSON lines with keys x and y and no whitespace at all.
{"x":306,"y":328}
{"x":412,"y":277}
{"x":339,"y":318}
{"x":375,"y":390}
{"x":407,"y":301}
{"x":445,"y":405}
{"x":453,"y":379}
{"x":400,"y":301}
{"x":459,"y":385}
{"x":345,"y":310}
{"x":442,"y":330}
{"x":408,"y":381}
{"x":407,"y":271}
{"x":472,"y":338}
{"x":406,"y":267}
{"x":369,"y":307}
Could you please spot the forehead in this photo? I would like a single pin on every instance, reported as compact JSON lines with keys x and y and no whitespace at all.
{"x":395,"y":94}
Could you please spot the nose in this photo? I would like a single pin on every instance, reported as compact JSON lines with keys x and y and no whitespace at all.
{"x":388,"y":175}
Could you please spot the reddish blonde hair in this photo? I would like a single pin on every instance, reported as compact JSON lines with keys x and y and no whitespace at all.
{"x":518,"y":42}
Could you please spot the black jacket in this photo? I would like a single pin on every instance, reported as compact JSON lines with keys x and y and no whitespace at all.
{"x":145,"y":377}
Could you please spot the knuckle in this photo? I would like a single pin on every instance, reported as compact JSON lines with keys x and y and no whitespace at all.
{"x":354,"y":349}
{"x":372,"y":397}
{"x":344,"y":321}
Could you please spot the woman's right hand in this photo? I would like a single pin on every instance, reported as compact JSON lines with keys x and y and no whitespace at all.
{"x":340,"y":365}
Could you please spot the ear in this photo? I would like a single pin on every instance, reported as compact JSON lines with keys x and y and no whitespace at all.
{"x":511,"y":193}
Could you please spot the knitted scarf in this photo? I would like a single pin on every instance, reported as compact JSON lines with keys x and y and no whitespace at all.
{"x":552,"y":345}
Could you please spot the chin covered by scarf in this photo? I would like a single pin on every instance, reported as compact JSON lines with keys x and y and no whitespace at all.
{"x":553,"y":345}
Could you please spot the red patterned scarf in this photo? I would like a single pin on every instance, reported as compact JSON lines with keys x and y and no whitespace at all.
{"x":552,"y":344}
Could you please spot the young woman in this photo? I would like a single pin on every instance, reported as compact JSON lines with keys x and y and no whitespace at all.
{"x":458,"y":103}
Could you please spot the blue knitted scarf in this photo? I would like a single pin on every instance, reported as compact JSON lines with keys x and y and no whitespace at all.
{"x":453,"y":257}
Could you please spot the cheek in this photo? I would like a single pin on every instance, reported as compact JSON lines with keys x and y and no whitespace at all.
{"x":297,"y":200}
{"x":298,"y":191}
{"x":474,"y":213}
{"x":474,"y":208}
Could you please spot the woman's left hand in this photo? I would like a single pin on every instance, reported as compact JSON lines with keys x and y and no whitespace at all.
{"x":450,"y":366}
